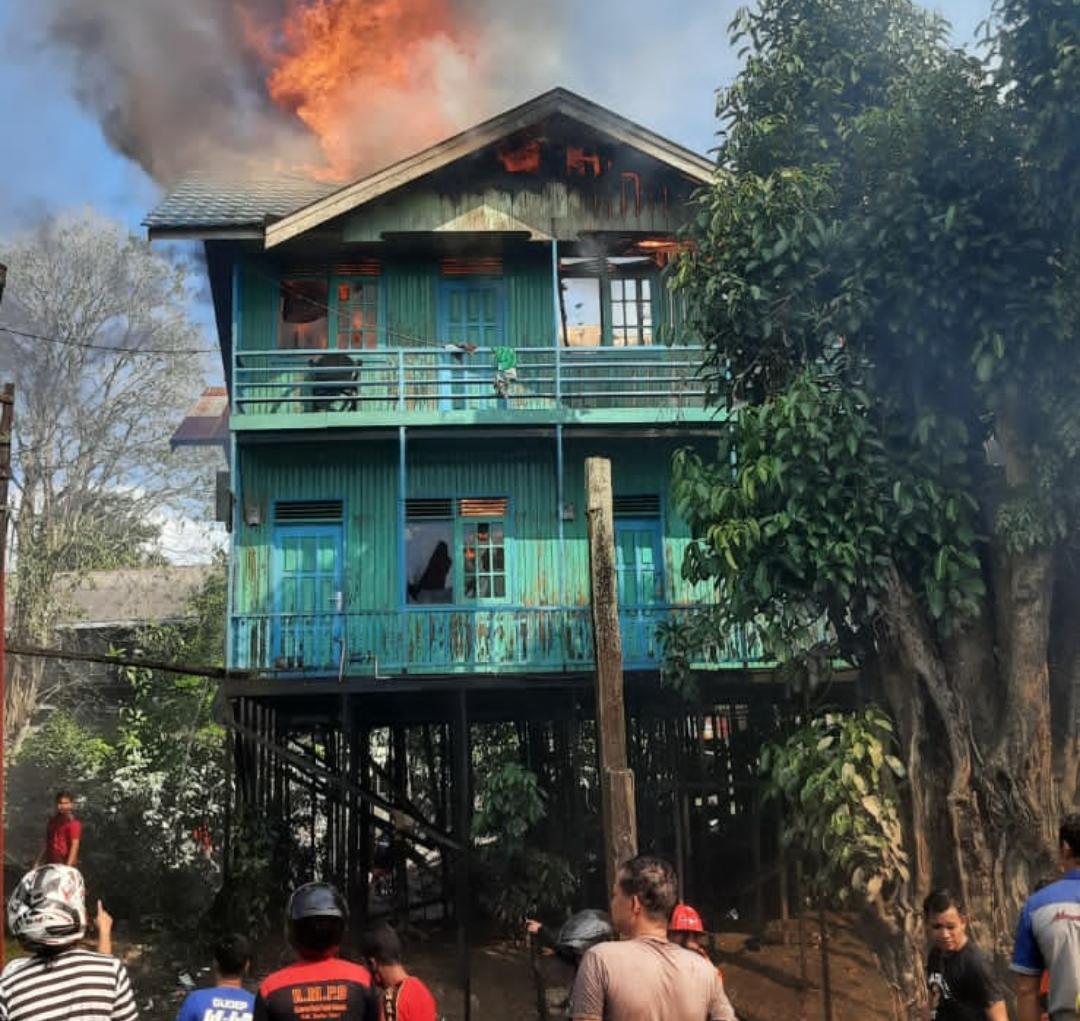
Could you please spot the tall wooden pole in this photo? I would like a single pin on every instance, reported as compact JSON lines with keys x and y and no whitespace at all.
{"x":7,"y":413}
{"x":617,"y":781}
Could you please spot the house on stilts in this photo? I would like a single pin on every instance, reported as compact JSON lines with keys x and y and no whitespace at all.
{"x":417,"y":365}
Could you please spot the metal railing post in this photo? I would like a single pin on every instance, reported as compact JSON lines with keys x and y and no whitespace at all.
{"x":401,"y":380}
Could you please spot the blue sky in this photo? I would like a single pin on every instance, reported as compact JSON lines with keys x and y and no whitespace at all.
{"x":658,"y":70}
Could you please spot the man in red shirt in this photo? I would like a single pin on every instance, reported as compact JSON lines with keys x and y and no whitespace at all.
{"x":320,"y":986}
{"x":63,"y":834}
{"x":403,"y":996}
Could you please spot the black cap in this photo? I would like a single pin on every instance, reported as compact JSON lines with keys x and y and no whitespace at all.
{"x":316,"y":900}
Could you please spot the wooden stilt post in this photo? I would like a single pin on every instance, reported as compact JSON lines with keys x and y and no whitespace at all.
{"x":462,"y":822}
{"x":357,"y":885}
{"x":363,"y":880}
{"x":400,"y":774}
{"x":617,"y":781}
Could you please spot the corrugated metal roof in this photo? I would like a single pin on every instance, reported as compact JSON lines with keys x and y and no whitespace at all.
{"x":206,"y":201}
{"x":130,"y":596}
{"x":207,"y":423}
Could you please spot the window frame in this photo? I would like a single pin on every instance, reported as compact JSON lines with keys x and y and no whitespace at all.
{"x":333,"y":308}
{"x":606,"y":277}
{"x":459,"y":523}
{"x":640,"y":305}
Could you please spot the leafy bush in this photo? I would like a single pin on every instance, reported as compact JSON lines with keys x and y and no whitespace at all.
{"x":515,"y":878}
{"x":834,"y":777}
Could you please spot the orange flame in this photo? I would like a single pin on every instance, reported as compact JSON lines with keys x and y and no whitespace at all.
{"x":373,"y":79}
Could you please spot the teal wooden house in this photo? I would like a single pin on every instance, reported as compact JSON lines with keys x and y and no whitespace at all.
{"x":417,"y":365}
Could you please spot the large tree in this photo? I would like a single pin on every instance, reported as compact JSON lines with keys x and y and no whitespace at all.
{"x":882,"y":280}
{"x":103,"y":371}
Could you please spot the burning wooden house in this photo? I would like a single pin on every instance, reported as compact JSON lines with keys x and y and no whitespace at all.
{"x":417,"y":365}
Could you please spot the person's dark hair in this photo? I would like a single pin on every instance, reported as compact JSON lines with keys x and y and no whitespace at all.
{"x":316,"y":935}
{"x":232,"y":954}
{"x":653,"y":882}
{"x":64,"y":794}
{"x":382,"y":945}
{"x":1069,"y":833}
{"x":939,"y":901}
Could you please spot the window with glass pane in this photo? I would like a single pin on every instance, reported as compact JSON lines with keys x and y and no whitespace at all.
{"x":357,"y":314}
{"x":484,"y":558}
{"x":302,"y":313}
{"x":638,"y":562}
{"x":581,"y":309}
{"x":429,"y":576}
{"x":631,"y":311}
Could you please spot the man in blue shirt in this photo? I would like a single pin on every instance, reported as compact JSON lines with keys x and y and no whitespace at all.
{"x":1048,"y":937}
{"x":228,"y":1000}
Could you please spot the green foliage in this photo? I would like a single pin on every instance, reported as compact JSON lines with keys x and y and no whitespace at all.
{"x":806,"y":508}
{"x":66,"y":749}
{"x":511,"y":804}
{"x":834,"y":778}
{"x":113,"y":534}
{"x":1039,"y":48}
{"x":886,"y":313}
{"x":516,"y":878}
{"x":150,"y":778}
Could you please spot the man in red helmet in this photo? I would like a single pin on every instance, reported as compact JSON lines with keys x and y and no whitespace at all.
{"x":320,"y":986}
{"x":686,"y":928}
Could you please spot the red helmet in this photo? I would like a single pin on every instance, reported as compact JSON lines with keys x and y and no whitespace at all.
{"x":685,"y":919}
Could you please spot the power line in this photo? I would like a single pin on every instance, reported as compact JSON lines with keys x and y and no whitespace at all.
{"x":108,"y":347}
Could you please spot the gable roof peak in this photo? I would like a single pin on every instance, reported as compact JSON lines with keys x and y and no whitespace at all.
{"x":558,"y":100}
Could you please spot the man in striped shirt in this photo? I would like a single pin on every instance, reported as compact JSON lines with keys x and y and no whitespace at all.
{"x":59,"y":981}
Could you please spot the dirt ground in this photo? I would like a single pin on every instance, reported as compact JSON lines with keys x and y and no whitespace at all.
{"x":764,"y":984}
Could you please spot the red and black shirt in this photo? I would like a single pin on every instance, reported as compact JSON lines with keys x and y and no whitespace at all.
{"x":326,"y":990}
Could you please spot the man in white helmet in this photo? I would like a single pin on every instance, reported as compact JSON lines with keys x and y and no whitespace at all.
{"x":59,"y":981}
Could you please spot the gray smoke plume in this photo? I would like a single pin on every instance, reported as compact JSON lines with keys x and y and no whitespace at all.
{"x":178,"y":86}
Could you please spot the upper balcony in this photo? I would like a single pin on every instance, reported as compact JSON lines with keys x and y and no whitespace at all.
{"x":465,"y":385}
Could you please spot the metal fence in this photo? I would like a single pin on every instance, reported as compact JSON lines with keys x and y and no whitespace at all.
{"x":432,"y":380}
{"x":457,"y":640}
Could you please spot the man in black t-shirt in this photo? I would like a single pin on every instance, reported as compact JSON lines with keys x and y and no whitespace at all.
{"x":960,"y":978}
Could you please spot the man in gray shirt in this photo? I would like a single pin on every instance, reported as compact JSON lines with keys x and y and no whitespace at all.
{"x":644,"y":977}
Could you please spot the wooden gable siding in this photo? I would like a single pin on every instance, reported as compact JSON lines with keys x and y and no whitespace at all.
{"x":555,"y":206}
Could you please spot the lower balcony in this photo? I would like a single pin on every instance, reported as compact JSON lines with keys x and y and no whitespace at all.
{"x":453,"y":640}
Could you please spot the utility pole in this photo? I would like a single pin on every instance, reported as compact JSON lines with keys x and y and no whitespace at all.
{"x":616,"y":780}
{"x":7,"y":413}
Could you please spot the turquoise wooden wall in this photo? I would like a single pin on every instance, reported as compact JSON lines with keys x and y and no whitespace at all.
{"x":365,"y":476}
{"x":410,"y":289}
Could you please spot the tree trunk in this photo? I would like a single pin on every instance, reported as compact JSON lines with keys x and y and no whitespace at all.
{"x":973,"y":725}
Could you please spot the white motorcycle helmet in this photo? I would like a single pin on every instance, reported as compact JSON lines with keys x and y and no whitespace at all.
{"x":47,"y":911}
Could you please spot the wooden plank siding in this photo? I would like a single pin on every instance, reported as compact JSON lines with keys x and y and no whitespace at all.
{"x":542,"y":625}
{"x":406,"y":378}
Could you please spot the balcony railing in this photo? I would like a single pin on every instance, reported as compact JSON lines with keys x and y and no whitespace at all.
{"x":417,"y":381}
{"x":440,"y":640}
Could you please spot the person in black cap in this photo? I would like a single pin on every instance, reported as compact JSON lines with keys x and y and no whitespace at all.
{"x":320,"y":986}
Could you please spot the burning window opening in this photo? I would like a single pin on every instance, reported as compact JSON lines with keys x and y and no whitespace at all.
{"x":308,"y":305}
{"x":630,"y":183}
{"x":581,"y":162}
{"x":521,"y":158}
